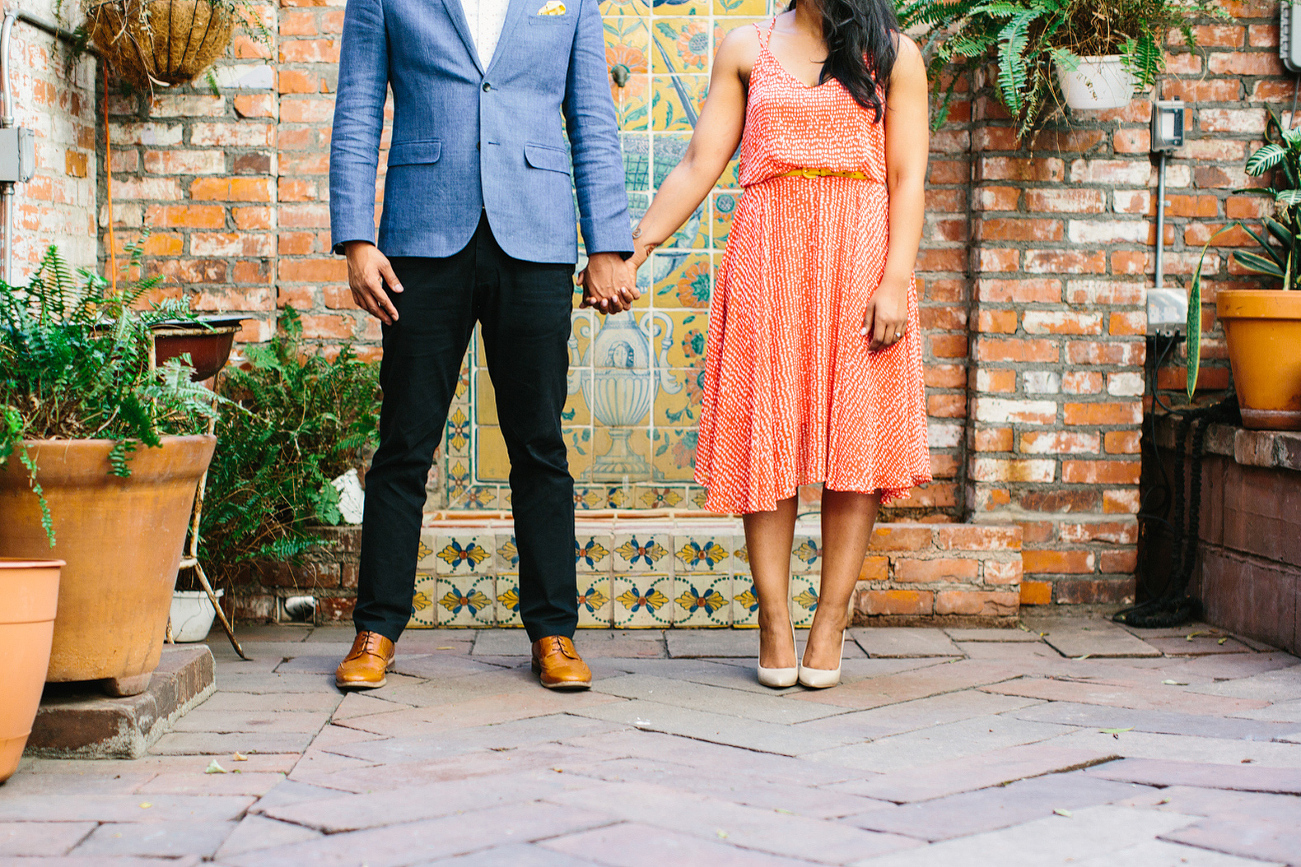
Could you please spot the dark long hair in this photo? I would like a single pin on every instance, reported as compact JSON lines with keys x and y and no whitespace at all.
{"x":862,"y":44}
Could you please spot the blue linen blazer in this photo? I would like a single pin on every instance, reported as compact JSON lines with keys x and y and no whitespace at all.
{"x":468,"y":140}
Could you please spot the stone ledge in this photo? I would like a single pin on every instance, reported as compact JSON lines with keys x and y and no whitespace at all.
{"x":77,"y":721}
{"x":1251,"y":448}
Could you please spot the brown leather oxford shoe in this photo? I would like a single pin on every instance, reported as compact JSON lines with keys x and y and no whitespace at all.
{"x":364,"y":666}
{"x":558,"y":664}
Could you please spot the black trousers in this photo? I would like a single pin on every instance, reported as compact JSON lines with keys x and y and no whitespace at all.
{"x":524,"y":312}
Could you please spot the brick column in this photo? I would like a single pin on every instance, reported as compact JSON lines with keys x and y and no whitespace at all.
{"x":196,"y":170}
{"x":1061,"y":246}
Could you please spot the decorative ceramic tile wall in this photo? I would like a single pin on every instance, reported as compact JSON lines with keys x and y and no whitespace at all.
{"x":636,"y":378}
{"x":632,"y":574}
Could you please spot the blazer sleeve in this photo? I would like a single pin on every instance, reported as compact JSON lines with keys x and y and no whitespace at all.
{"x":358,"y":123}
{"x":594,"y":139}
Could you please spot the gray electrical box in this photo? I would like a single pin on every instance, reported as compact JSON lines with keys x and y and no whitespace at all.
{"x":17,"y":155}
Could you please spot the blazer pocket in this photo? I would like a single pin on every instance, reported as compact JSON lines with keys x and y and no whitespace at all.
{"x":551,"y":19}
{"x":408,"y":153}
{"x":551,"y":159}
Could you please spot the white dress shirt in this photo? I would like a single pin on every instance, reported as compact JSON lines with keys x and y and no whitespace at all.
{"x":486,"y":19}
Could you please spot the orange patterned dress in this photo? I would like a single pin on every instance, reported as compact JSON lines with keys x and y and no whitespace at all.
{"x":792,"y":394}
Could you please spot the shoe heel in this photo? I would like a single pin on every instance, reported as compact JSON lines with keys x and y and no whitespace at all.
{"x":821,"y":678}
{"x":781,"y":678}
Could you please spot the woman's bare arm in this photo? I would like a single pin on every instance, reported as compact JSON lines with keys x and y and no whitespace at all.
{"x":907,"y":145}
{"x":718,"y":132}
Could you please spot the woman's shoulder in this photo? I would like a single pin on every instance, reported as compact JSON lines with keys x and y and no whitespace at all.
{"x":740,"y":48}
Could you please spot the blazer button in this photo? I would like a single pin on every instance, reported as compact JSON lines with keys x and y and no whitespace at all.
{"x":486,"y":87}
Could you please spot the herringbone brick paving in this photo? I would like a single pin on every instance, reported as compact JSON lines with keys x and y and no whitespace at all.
{"x":1068,"y":741}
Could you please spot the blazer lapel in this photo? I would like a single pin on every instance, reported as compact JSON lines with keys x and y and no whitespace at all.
{"x":517,"y":10}
{"x":457,"y":14}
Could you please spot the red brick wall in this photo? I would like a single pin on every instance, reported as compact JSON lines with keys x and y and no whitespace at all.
{"x":57,"y":101}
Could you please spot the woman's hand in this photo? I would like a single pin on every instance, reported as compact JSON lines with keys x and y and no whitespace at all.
{"x":886,"y":317}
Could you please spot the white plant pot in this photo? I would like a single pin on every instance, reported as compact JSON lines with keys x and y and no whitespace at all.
{"x":192,"y":615}
{"x":1097,"y":83}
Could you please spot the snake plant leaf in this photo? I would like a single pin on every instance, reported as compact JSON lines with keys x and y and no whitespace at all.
{"x":1194,"y":324}
{"x":1268,"y":248}
{"x":1259,"y":264}
{"x":1278,"y":230}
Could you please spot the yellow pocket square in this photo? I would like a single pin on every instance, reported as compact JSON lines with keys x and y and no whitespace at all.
{"x":553,"y":7}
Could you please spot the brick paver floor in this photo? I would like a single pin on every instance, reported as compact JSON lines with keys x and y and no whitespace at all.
{"x":1086,"y":745}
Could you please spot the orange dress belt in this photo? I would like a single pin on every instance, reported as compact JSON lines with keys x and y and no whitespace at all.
{"x":823,"y":173}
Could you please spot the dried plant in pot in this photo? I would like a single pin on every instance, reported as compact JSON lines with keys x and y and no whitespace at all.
{"x":1262,"y":327}
{"x":100,"y":456}
{"x":165,"y":42}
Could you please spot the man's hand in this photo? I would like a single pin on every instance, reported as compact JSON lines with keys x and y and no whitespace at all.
{"x":609,"y":283}
{"x":886,"y":317}
{"x":368,"y":272}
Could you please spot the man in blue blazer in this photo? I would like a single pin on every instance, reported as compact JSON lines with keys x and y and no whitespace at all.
{"x":478,"y":225}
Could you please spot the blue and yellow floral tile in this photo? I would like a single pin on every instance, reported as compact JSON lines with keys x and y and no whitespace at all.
{"x":702,"y":600}
{"x":697,"y":496}
{"x":703,"y":550}
{"x":742,"y":7}
{"x":745,"y":602}
{"x":506,"y":552}
{"x":657,"y":497}
{"x":724,"y":206}
{"x":466,"y":600}
{"x":688,"y":282}
{"x":642,"y":601}
{"x":595,"y":605}
{"x":592,"y":551}
{"x":424,"y":607}
{"x":681,"y":7}
{"x":806,"y":554}
{"x":675,"y":454}
{"x":676,"y":101}
{"x":632,"y":102}
{"x":426,"y":554}
{"x":804,"y":599}
{"x":610,"y":8}
{"x":681,"y":44}
{"x":668,"y":150}
{"x":465,"y":554}
{"x":506,"y":608}
{"x":645,"y":550}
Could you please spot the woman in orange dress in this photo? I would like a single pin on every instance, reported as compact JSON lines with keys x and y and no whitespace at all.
{"x":813,"y":362}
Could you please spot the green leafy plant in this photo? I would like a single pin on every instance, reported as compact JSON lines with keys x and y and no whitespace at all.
{"x":76,"y":363}
{"x":299,"y":419}
{"x":1027,"y":37}
{"x":1280,"y":245}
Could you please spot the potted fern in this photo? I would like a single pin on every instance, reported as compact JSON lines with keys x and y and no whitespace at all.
{"x":1091,"y":54}
{"x":100,"y":455}
{"x":1262,"y":327}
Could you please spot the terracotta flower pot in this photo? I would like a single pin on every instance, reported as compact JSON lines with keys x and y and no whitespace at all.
{"x":29,"y":595}
{"x":122,"y":540}
{"x":1263,"y":329}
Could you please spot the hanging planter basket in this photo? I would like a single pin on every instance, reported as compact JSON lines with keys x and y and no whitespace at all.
{"x":1097,"y":83}
{"x":160,"y":42}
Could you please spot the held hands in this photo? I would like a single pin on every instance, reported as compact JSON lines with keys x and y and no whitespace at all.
{"x":368,"y":273}
{"x":609,"y":283}
{"x":886,"y":317}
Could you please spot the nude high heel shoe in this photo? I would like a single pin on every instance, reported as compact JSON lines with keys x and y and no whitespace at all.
{"x":821,"y":678}
{"x":780,"y":678}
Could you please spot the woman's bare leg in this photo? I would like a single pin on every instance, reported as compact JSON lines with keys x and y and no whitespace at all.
{"x":768,"y":540}
{"x":847,"y":520}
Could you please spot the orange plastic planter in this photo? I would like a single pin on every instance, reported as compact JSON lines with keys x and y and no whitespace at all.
{"x":29,"y":595}
{"x":1263,"y":329}
{"x":122,"y":540}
